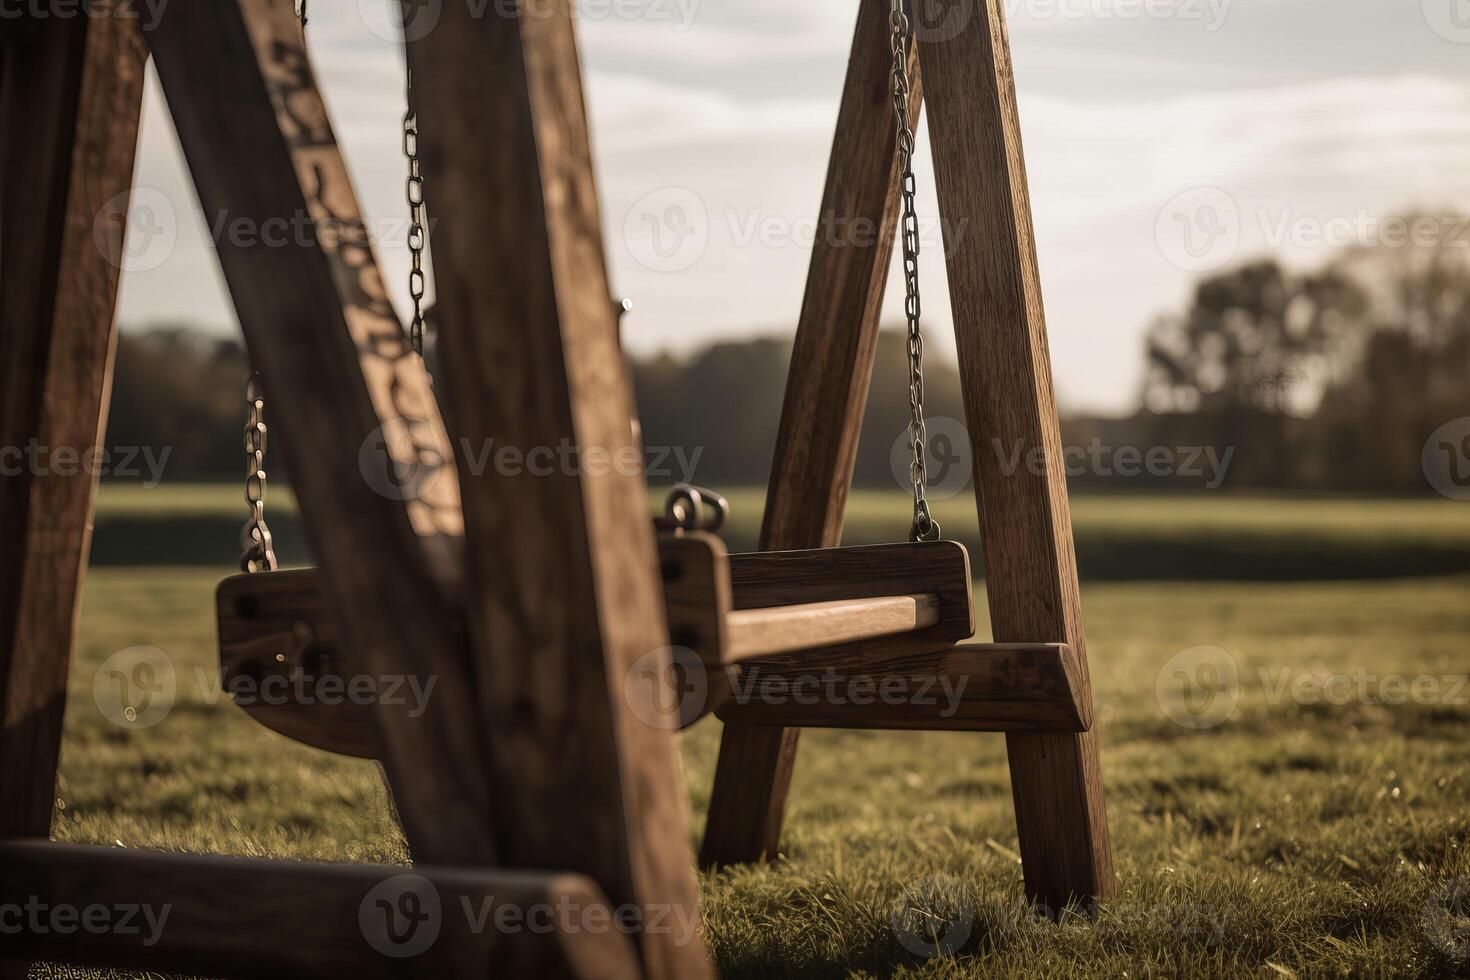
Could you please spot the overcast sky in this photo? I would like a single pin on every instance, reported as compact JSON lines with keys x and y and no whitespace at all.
{"x":1164,"y":138}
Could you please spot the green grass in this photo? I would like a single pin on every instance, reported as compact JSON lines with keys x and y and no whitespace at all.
{"x":1308,"y":839}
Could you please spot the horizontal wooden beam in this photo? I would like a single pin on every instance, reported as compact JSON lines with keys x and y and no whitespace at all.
{"x":973,"y":687}
{"x":245,"y":917}
{"x":782,"y":629}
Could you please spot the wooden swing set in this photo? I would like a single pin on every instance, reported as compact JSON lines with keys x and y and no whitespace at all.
{"x":536,"y":601}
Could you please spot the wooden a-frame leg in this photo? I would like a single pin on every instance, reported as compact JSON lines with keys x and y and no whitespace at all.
{"x":1005,"y":370}
{"x":563,"y":593}
{"x":70,"y":98}
{"x":826,"y":392}
{"x":338,"y":377}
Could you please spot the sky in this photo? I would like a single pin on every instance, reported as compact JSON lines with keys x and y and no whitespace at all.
{"x":1164,"y":139}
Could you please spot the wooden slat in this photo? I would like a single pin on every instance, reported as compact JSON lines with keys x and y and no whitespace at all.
{"x":562,"y":587}
{"x":1005,"y":370}
{"x":826,"y":391}
{"x":973,"y":687}
{"x":223,"y":84}
{"x":781,"y":629}
{"x":243,"y":917}
{"x":70,"y":96}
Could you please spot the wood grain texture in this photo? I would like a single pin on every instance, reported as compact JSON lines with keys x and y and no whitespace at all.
{"x":70,"y":96}
{"x":218,"y":77}
{"x":826,"y":392}
{"x":973,"y":687}
{"x":782,"y":629}
{"x":243,"y":917}
{"x":413,"y":450}
{"x":562,"y":590}
{"x":1005,"y":370}
{"x":276,"y":639}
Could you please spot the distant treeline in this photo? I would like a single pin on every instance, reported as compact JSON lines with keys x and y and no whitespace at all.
{"x":1330,"y":380}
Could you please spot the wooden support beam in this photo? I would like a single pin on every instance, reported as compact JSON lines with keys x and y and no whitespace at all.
{"x":826,"y":392}
{"x":562,"y":590}
{"x":243,"y":917}
{"x":973,"y":687}
{"x":234,"y":73}
{"x":70,"y":96}
{"x":1005,"y":370}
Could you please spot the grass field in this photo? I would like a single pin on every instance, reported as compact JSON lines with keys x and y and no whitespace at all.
{"x":1136,"y":538}
{"x":1316,"y":826}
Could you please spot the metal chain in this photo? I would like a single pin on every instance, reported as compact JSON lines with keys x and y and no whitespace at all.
{"x":257,"y":548}
{"x":925,"y":527}
{"x":258,"y":551}
{"x":416,"y":233}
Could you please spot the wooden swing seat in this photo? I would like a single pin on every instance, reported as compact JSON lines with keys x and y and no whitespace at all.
{"x":755,"y":624}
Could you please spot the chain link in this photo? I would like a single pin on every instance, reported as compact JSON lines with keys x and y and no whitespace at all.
{"x":416,"y":215}
{"x":925,"y":527}
{"x":258,"y":551}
